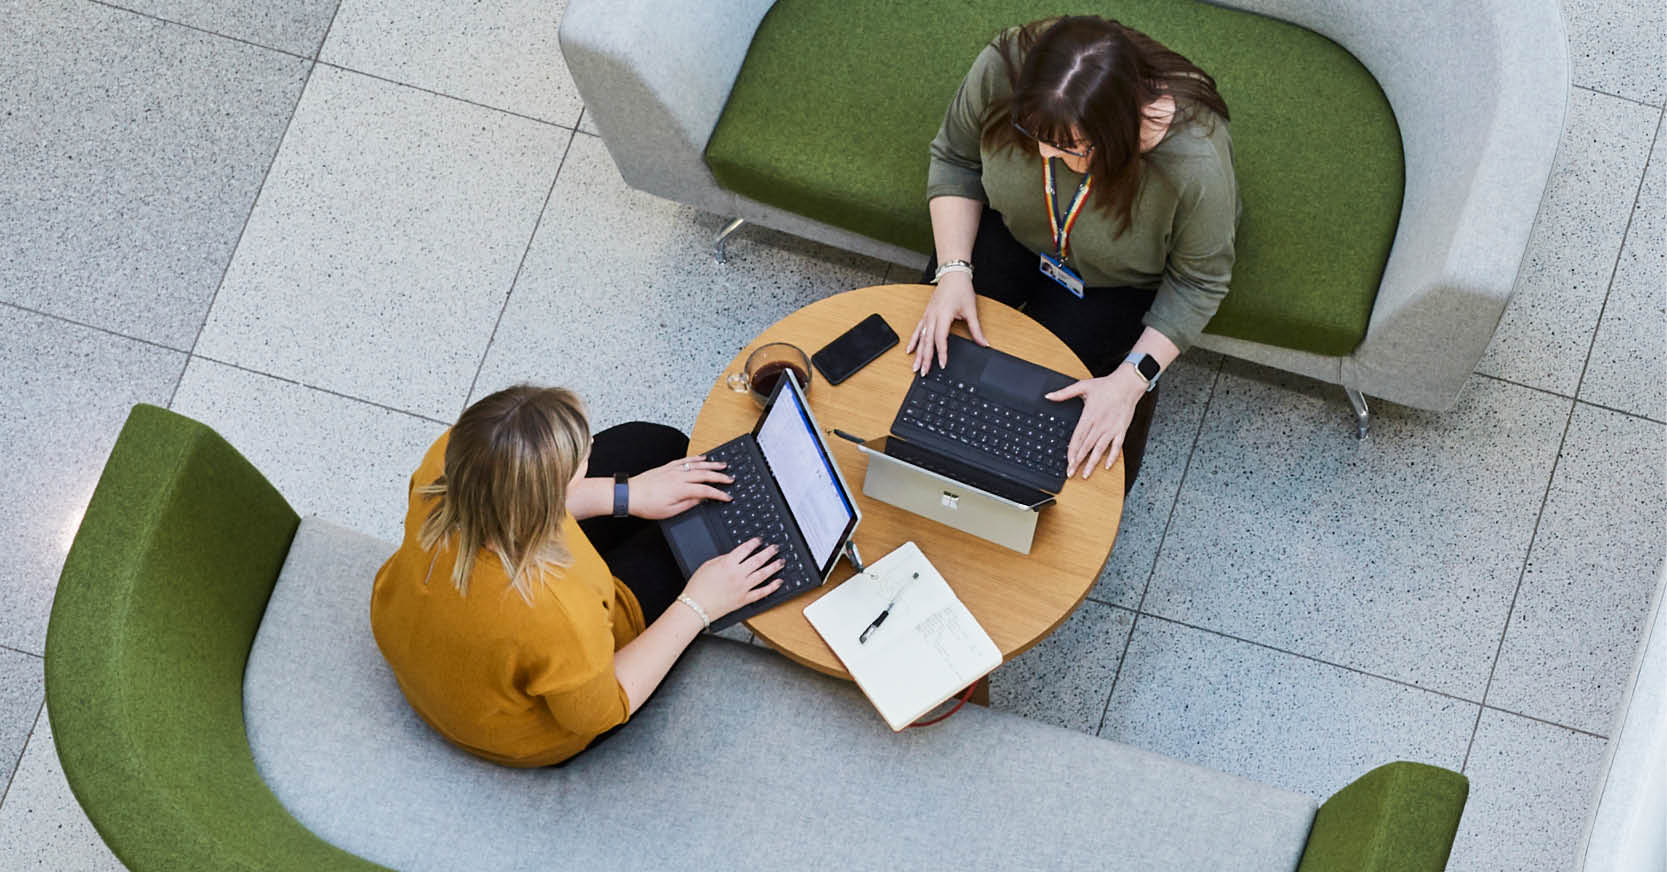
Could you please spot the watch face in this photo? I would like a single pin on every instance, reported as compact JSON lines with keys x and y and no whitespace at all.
{"x":1148,"y":367}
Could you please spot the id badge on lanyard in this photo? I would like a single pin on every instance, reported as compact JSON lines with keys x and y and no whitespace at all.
{"x":1055,"y":267}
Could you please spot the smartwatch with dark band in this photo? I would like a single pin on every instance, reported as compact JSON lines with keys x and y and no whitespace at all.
{"x":622,"y":495}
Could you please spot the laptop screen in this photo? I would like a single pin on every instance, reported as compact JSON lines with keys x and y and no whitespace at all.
{"x":805,"y":473}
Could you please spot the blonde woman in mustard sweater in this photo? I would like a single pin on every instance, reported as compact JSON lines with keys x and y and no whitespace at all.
{"x":532,"y":606}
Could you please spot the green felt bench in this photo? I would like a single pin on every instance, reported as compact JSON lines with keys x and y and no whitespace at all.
{"x":1391,"y":157}
{"x":170,"y":577}
{"x":833,"y":108}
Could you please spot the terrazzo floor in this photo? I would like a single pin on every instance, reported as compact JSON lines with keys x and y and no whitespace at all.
{"x":323,"y":228}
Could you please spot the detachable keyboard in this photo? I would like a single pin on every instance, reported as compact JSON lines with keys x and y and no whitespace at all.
{"x":755,"y":509}
{"x":1026,"y":446}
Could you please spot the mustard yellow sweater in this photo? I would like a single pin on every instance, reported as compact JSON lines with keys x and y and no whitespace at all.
{"x":516,"y":683}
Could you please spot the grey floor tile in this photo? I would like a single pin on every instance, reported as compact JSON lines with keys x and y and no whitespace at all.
{"x":1181,"y":402}
{"x":384,"y":243}
{"x":1530,"y":785}
{"x":620,"y":300}
{"x":340,"y":459}
{"x":1615,"y":46}
{"x":288,"y":25}
{"x":1273,"y":717}
{"x":587,"y":124}
{"x":41,"y":825}
{"x":22,"y":690}
{"x":1628,"y":366}
{"x":134,"y":150}
{"x":501,"y":53}
{"x":1065,"y":679}
{"x":68,"y":390}
{"x":1397,"y":554}
{"x":1547,"y":329}
{"x":1574,"y":631}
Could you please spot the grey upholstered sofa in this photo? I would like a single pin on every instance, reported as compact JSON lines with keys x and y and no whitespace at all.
{"x":218,"y":702}
{"x":744,"y":760}
{"x":1478,"y":90}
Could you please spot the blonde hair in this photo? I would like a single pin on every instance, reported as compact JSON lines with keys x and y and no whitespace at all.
{"x":504,"y":487}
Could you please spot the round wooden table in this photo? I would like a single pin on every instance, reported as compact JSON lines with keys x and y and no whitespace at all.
{"x":1018,"y":598}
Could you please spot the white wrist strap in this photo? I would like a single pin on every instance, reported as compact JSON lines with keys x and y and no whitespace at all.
{"x":695,"y":607}
{"x":952,"y":266}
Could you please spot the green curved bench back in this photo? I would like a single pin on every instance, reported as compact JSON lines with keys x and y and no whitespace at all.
{"x":836,"y":103}
{"x":151,"y":626}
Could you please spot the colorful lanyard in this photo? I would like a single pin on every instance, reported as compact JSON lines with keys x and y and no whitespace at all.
{"x":1062,"y":227}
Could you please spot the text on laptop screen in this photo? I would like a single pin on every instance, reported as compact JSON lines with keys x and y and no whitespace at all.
{"x":806,"y":478}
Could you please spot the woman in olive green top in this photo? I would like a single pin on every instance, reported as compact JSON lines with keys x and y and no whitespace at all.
{"x":1086,"y":172}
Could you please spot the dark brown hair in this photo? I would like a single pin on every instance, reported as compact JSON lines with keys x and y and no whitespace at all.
{"x":1094,"y":75}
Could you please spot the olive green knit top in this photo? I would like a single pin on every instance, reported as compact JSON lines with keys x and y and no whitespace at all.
{"x":1182,"y":224}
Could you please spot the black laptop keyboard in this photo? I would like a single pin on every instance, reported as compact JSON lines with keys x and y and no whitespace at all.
{"x":751,"y":512}
{"x":955,"y":410}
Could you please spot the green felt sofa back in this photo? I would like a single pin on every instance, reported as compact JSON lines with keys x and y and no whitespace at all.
{"x":836,"y":103}
{"x":151,"y":626}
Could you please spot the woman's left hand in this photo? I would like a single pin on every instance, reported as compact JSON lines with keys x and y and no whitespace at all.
{"x":677,"y":486}
{"x":1108,"y":404}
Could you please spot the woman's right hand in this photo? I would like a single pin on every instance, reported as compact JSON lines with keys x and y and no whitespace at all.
{"x":729,"y":581}
{"x":954,"y":300}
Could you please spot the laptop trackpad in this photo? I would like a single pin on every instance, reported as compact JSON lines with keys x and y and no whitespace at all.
{"x":690,"y":541}
{"x":1014,"y":378}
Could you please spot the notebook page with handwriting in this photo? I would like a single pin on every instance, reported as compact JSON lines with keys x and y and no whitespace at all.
{"x":928,"y":648}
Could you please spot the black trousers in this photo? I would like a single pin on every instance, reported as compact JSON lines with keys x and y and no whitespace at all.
{"x":633,"y":548}
{"x":1100,"y":328}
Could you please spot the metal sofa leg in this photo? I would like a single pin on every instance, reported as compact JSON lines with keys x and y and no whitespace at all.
{"x":723,"y":236}
{"x":1362,"y":415}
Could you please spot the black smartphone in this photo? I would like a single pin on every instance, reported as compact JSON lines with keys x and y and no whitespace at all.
{"x":854,"y":349}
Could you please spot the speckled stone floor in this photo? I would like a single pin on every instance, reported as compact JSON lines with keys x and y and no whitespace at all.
{"x":323,"y":229}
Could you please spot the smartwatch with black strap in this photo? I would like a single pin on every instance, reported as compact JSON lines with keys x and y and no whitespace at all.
{"x":622,"y":495}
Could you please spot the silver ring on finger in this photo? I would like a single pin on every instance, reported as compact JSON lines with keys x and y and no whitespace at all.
{"x":686,"y":466}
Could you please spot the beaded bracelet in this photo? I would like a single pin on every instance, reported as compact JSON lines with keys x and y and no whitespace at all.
{"x":952,"y":266}
{"x":695,"y":607}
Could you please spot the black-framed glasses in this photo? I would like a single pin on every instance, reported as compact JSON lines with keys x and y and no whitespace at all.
{"x":1073,"y":152}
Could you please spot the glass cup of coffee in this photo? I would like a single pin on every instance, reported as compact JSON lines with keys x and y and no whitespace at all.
{"x":764,"y":368}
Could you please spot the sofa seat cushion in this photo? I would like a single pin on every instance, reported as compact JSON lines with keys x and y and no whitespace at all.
{"x":836,"y":103}
{"x":741,"y":760}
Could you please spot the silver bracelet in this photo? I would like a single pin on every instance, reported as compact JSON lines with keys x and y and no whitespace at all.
{"x":695,"y":607}
{"x":952,"y":266}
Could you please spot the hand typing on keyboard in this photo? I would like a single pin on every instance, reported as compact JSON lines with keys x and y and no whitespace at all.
{"x":1107,"y":408}
{"x":729,"y":581}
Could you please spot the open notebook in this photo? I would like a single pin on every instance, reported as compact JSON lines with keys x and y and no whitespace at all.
{"x":928,"y":649}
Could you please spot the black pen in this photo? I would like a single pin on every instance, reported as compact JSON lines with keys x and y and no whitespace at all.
{"x":863,"y":639}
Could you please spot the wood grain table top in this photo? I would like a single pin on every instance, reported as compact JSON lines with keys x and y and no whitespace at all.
{"x":1018,"y":598}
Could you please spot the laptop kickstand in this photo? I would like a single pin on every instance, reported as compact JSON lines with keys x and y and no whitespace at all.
{"x":852,"y":555}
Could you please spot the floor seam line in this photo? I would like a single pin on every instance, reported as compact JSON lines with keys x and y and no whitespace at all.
{"x":254,"y":204}
{"x":532,"y":238}
{"x":203,"y":30}
{"x":323,"y":390}
{"x":1615,"y":268}
{"x":1117,"y":674}
{"x":325,"y":37}
{"x":477,"y":104}
{"x":105,"y":330}
{"x":18,"y":764}
{"x":1547,"y":721}
{"x":1522,"y":574}
{"x":1634,"y":100}
{"x":1562,"y":396}
{"x":1313,"y":659}
{"x":16,"y":650}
